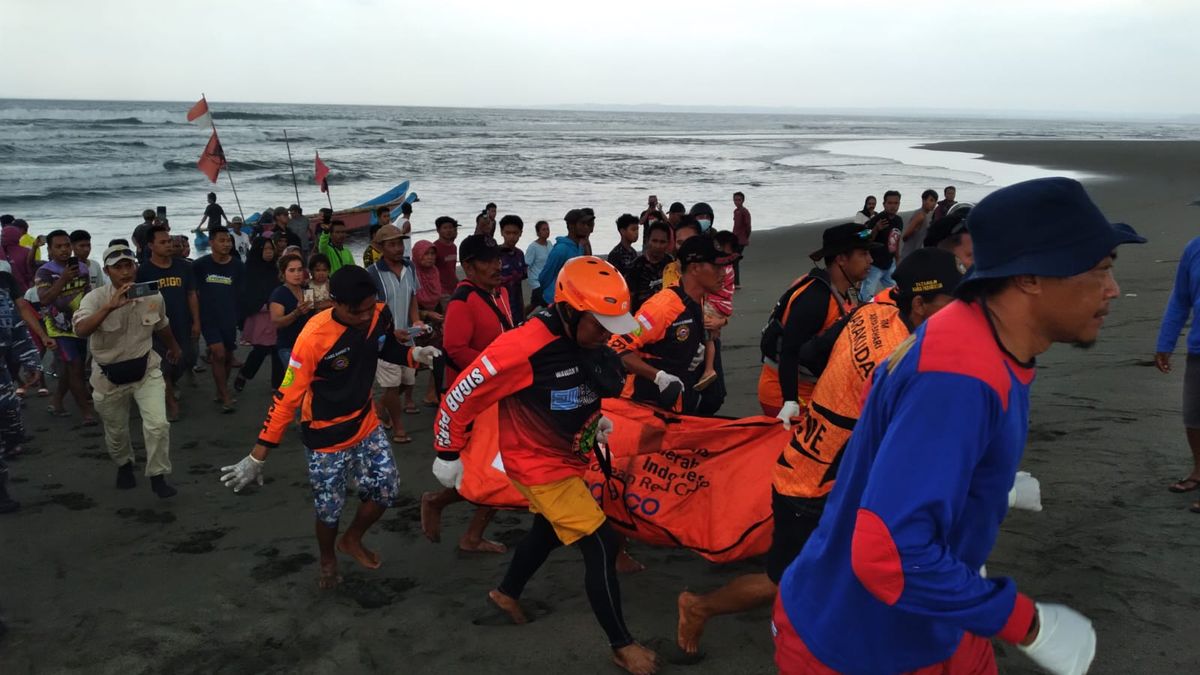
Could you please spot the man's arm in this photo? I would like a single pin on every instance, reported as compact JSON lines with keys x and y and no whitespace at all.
{"x":456,"y":333}
{"x":653,"y":319}
{"x":87,"y":319}
{"x":1179,"y":305}
{"x":287,"y":398}
{"x":194,"y":309}
{"x":914,"y":495}
{"x":500,"y":370}
{"x":804,"y":322}
{"x":914,"y":224}
{"x":48,"y":292}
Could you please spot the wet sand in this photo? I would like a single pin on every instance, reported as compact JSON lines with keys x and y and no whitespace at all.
{"x":98,"y":580}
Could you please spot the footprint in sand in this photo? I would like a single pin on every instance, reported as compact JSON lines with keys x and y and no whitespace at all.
{"x":276,"y":566}
{"x":200,"y":469}
{"x":147,"y":516}
{"x":188,"y":445}
{"x":73,"y":501}
{"x":200,"y":541}
{"x":102,"y":456}
{"x":373,"y":594}
{"x":51,"y":486}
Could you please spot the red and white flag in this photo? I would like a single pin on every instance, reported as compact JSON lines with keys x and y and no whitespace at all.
{"x":322,"y":174}
{"x":213,"y":159}
{"x":199,"y":114}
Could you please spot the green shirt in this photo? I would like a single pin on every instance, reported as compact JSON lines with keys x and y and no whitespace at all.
{"x":338,"y":256}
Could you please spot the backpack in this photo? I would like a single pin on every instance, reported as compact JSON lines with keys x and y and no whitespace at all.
{"x":771,"y":341}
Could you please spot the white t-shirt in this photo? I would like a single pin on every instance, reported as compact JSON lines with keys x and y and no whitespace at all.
{"x":96,"y":274}
{"x":241,"y":243}
{"x":406,"y":227}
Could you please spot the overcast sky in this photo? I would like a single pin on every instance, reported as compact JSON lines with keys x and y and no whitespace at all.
{"x":1104,"y":57}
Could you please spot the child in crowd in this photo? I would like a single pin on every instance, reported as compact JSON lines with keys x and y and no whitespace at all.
{"x":718,"y":307}
{"x":318,"y":270}
{"x":512,"y":263}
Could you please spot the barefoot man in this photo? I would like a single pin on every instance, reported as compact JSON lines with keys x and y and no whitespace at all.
{"x":329,"y":377}
{"x":548,"y":377}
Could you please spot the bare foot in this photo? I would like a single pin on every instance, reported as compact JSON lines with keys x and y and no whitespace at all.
{"x":626,"y":564}
{"x":481,"y":546}
{"x":636,"y":659}
{"x":691,"y":623}
{"x":355,"y":549}
{"x":509,"y":606}
{"x":431,"y":517}
{"x":329,"y":576}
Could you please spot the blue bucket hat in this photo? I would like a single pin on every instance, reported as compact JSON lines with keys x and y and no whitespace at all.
{"x":1046,"y":227}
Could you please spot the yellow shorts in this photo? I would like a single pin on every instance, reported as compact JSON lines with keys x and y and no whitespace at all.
{"x":568,"y":505}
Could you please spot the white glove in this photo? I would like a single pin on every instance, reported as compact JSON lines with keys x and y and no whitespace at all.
{"x":243,"y":473}
{"x":1026,"y":492}
{"x":663,"y":379}
{"x":789,"y":410}
{"x":603,"y":428}
{"x":425,"y":355}
{"x":1066,"y":641}
{"x":449,"y":473}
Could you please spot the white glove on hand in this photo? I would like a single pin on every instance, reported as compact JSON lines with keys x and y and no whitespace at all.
{"x":603,"y":428}
{"x":789,"y":410}
{"x":663,"y":379}
{"x":243,"y":473}
{"x":1066,"y":641}
{"x":1026,"y":493}
{"x":425,"y":355}
{"x":449,"y":473}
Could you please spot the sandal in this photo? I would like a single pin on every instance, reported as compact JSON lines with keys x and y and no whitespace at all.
{"x":42,"y":391}
{"x":1184,"y":485}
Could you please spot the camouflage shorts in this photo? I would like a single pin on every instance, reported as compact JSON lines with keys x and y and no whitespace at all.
{"x":369,"y":465}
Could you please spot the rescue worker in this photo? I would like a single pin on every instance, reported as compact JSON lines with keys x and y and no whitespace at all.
{"x":665,"y":354}
{"x":890,"y":579}
{"x":329,"y":378}
{"x":548,"y":377}
{"x":811,"y":304}
{"x":843,"y":357}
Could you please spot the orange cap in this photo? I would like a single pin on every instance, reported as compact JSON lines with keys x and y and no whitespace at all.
{"x":590,"y":284}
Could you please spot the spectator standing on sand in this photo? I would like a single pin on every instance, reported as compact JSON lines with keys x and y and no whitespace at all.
{"x":125,"y":368}
{"x":1185,"y":302}
{"x":645,"y":275}
{"x":513,"y":269}
{"x":214,"y":215}
{"x":943,"y":207}
{"x":262,"y":278}
{"x":741,"y":230}
{"x":299,"y":230}
{"x":19,"y":258}
{"x":867,"y":212}
{"x":623,"y":254}
{"x":332,"y":245}
{"x":16,"y":347}
{"x":396,"y":285}
{"x":447,"y":253}
{"x":81,"y":244}
{"x":177,"y":286}
{"x":886,"y":229}
{"x":61,"y":285}
{"x":579,"y":227}
{"x":430,"y":308}
{"x":913,"y":238}
{"x":220,"y":279}
{"x":535,"y":256}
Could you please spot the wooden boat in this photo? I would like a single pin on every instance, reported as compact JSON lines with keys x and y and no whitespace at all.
{"x":363,"y":216}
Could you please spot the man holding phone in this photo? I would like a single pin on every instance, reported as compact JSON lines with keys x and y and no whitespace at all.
{"x":125,"y":367}
{"x":61,"y":284}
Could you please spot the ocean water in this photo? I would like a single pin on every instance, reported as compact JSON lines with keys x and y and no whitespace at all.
{"x":97,"y":164}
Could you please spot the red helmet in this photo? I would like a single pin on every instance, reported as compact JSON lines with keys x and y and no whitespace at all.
{"x":590,"y":284}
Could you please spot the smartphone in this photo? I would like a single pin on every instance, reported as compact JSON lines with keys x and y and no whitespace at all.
{"x":72,"y":262}
{"x":310,"y":296}
{"x":142,"y":290}
{"x":162,"y":212}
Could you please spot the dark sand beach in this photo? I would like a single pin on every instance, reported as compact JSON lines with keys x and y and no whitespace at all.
{"x":100,"y":581}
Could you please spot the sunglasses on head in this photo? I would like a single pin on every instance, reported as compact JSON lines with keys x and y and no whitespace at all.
{"x":863,"y":234}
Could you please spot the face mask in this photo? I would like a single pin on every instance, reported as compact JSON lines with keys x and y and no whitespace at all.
{"x":704,"y":225}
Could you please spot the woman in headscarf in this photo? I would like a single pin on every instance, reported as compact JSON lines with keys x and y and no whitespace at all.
{"x":19,"y":257}
{"x":429,"y":306}
{"x":262,"y":277}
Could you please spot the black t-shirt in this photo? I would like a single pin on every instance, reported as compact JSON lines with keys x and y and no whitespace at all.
{"x":174,"y":283}
{"x":883,"y":256}
{"x":218,"y":286}
{"x":215,"y":215}
{"x":286,"y":337}
{"x":644,"y":279}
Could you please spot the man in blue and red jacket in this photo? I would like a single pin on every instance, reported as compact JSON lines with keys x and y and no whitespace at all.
{"x":890,"y":581}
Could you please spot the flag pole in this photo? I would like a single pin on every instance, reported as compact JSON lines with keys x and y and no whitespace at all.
{"x":295,"y":186}
{"x":328,"y":194}
{"x":228,"y":172}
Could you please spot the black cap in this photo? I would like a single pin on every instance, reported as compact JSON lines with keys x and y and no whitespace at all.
{"x":350,"y":285}
{"x":954,"y":222}
{"x":478,"y":247}
{"x":843,"y":238}
{"x":927,"y":271}
{"x":677,"y":207}
{"x":697,"y":250}
{"x":442,"y":220}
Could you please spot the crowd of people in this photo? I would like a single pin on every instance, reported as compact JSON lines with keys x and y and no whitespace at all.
{"x":868,"y":571}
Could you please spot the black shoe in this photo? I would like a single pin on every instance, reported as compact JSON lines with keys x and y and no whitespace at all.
{"x":239,"y":384}
{"x":160,"y":487}
{"x":125,"y":478}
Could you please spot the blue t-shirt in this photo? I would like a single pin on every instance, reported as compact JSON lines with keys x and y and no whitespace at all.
{"x":1185,"y":300}
{"x":889,"y":581}
{"x":217,"y":287}
{"x":285,"y":338}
